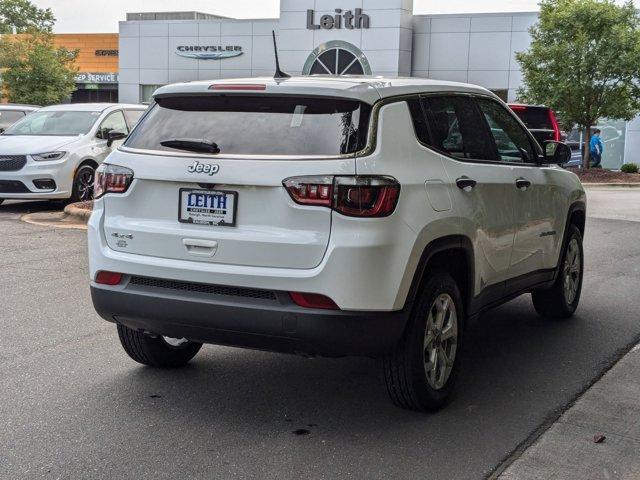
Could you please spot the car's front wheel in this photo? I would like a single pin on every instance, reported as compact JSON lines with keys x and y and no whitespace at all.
{"x":83,"y":183}
{"x":562,"y":298}
{"x":421,"y":372}
{"x":157,"y":351}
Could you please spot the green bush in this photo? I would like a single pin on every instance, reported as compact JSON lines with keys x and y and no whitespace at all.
{"x":629,"y":168}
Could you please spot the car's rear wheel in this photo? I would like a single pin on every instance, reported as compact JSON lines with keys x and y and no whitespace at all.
{"x":562,"y":298}
{"x":157,"y":351}
{"x":83,"y":183}
{"x":421,"y":372}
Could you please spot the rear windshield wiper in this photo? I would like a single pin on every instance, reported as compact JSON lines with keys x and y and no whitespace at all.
{"x":191,"y":145}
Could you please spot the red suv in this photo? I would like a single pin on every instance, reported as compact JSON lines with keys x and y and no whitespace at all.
{"x":541,"y":121}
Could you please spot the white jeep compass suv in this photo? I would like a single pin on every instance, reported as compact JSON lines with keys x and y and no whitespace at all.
{"x":53,"y":152}
{"x":331,"y":216}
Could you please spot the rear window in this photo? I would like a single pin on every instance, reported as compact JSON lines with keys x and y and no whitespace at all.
{"x":256,"y":125}
{"x":535,"y":118}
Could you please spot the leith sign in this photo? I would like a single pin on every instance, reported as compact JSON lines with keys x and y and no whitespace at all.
{"x":348,"y":20}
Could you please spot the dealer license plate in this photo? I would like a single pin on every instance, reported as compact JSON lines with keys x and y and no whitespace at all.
{"x":208,"y":207}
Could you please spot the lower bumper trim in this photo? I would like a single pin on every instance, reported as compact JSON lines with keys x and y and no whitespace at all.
{"x":256,"y":324}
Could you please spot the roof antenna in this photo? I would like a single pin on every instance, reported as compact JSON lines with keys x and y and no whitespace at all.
{"x":279,"y":73}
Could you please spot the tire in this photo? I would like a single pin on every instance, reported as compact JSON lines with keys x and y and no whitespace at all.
{"x":83,"y":183}
{"x":411,"y":383}
{"x":155,"y":351}
{"x":557,"y":301}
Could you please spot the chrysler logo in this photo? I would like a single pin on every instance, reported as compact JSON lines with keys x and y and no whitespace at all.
{"x":208,"y":52}
{"x":209,"y":169}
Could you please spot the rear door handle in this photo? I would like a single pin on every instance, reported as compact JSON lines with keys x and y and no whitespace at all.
{"x":200,"y":248}
{"x":466,"y":183}
{"x":522,"y":184}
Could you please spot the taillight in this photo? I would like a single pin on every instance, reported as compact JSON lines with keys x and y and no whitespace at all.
{"x":104,"y":277}
{"x":317,"y":190}
{"x":557,"y":135}
{"x":351,"y":195}
{"x":112,"y":179}
{"x":238,"y":86}
{"x":313,"y":300}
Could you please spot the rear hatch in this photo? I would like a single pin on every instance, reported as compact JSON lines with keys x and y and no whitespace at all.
{"x":541,"y":122}
{"x":208,"y":172}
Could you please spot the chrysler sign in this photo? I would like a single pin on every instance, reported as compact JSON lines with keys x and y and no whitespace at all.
{"x":208,"y":52}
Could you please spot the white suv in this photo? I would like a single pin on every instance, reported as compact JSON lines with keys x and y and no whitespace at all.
{"x":331,"y":216}
{"x":53,"y":152}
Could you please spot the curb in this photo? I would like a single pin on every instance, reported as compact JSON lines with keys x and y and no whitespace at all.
{"x":80,"y":214}
{"x":616,"y":185}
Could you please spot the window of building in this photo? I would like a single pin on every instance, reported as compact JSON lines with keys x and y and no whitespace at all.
{"x":146,"y":92}
{"x":337,"y":57}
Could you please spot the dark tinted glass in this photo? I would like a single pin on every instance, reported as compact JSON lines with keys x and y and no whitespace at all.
{"x":9,"y":117}
{"x":419,"y":121}
{"x":345,"y":60}
{"x":457,"y":128}
{"x":257,"y":125}
{"x":511,"y":139}
{"x":329,"y":59}
{"x":535,"y":118}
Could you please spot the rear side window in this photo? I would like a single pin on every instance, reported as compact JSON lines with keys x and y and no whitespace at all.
{"x":256,"y":125}
{"x":419,"y":121}
{"x":457,"y":128}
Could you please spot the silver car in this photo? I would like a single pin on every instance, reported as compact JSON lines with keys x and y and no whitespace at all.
{"x":53,"y":153}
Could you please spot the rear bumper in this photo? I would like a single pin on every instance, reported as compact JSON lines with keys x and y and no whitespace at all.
{"x":275,"y":325}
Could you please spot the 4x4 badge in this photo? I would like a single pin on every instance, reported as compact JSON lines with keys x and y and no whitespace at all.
{"x":209,"y":169}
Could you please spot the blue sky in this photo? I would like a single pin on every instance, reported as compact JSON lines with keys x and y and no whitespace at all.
{"x":78,"y":16}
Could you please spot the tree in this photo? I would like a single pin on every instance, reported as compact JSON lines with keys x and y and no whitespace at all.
{"x":584,"y":62}
{"x":36,"y":71}
{"x":24,"y":16}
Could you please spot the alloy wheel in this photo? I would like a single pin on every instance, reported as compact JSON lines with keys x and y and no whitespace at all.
{"x":84,"y":183}
{"x":440,"y":341}
{"x":571,"y":271}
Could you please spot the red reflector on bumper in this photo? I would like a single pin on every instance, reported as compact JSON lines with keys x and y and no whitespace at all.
{"x":313,"y":300}
{"x":108,"y":278}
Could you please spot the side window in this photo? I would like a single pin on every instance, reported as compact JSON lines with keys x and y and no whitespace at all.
{"x":114,"y":121}
{"x":419,"y":121}
{"x":133,"y":117}
{"x":457,"y":128}
{"x":512,"y":142}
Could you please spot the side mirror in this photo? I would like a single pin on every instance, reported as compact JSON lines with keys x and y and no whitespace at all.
{"x":114,"y":135}
{"x":557,"y":152}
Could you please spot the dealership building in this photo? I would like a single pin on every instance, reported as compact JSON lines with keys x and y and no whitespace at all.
{"x":373,"y":37}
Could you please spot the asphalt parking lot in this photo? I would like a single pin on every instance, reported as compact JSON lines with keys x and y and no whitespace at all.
{"x":72,"y":405}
